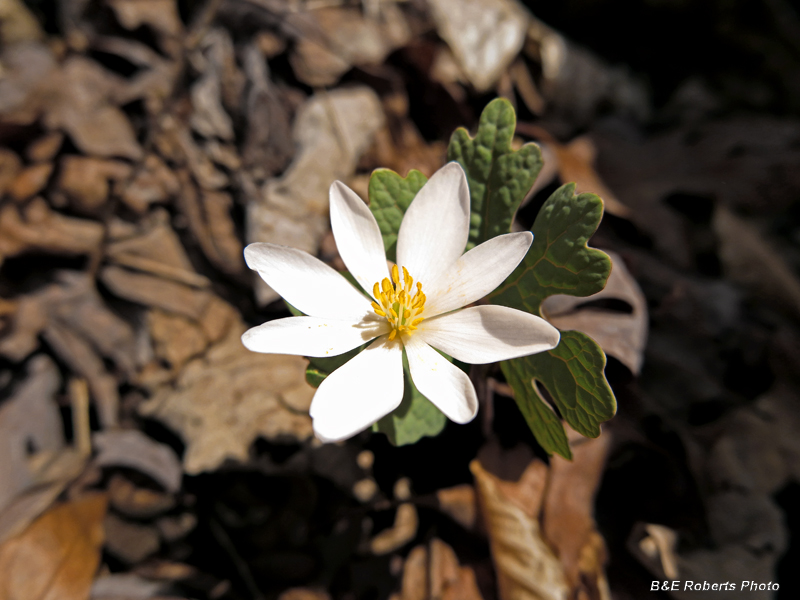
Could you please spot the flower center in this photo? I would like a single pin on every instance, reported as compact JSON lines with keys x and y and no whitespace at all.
{"x":400,"y":308}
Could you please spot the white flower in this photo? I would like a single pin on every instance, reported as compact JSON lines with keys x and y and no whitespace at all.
{"x":430,"y":243}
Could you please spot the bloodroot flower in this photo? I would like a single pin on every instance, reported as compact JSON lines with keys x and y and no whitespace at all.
{"x":416,"y":306}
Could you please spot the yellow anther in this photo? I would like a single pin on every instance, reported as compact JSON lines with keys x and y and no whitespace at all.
{"x":397,"y":302}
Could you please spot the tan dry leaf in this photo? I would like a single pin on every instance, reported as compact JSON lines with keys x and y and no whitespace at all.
{"x":750,"y":260}
{"x":130,"y":542}
{"x":434,"y":573}
{"x":460,"y":504}
{"x":133,"y":449}
{"x":29,"y":416}
{"x":30,"y":182}
{"x":154,"y":182}
{"x":45,"y":148}
{"x":86,"y":180}
{"x":36,"y":227}
{"x":526,"y":566}
{"x":17,"y":23}
{"x":572,"y":162}
{"x":484,"y":35}
{"x":10,"y":166}
{"x":28,"y":70}
{"x":81,"y":106}
{"x":621,"y":335}
{"x":400,"y":533}
{"x":568,"y":522}
{"x":331,"y":131}
{"x":57,"y":556}
{"x":138,"y":502}
{"x":227,"y":398}
{"x":161,"y":15}
{"x":215,"y":60}
{"x":336,"y":38}
{"x":210,"y":221}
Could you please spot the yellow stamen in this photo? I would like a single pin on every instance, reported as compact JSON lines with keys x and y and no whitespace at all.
{"x":398,"y":302}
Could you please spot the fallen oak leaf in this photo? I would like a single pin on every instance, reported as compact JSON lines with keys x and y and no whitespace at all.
{"x":620,"y":334}
{"x":57,"y":556}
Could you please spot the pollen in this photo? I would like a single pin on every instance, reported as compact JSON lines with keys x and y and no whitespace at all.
{"x":398,"y":302}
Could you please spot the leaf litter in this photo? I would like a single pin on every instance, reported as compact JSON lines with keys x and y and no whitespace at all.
{"x":147,"y":454}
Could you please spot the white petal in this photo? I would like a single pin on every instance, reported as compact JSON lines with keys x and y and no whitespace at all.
{"x":311,"y":336}
{"x":360,"y":392}
{"x":435,"y":228}
{"x":307,"y":283}
{"x":477,"y":273}
{"x":358,"y":237}
{"x":485,"y":334}
{"x":440,"y":381}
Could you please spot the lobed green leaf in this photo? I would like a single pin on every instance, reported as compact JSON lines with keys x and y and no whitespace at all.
{"x":499,"y":177}
{"x":389,"y":198}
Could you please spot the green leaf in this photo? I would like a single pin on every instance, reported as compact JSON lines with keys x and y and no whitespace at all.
{"x":415,"y":418}
{"x":573,"y":374}
{"x":498,"y":176}
{"x":559,"y":262}
{"x":389,"y":198}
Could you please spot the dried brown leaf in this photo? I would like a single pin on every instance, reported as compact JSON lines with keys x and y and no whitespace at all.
{"x":331,"y":131}
{"x":619,"y":334}
{"x":85,"y":180}
{"x":400,"y":533}
{"x":129,"y":542}
{"x":36,"y":227}
{"x":568,"y":521}
{"x":137,"y":502}
{"x":30,"y":182}
{"x":29,"y":416}
{"x":153,"y":183}
{"x":460,"y":503}
{"x":210,"y":221}
{"x":337,"y":37}
{"x":57,"y":556}
{"x":484,"y":35}
{"x":45,"y":148}
{"x":10,"y":166}
{"x":526,"y":566}
{"x":227,"y":398}
{"x":17,"y":23}
{"x":83,"y":109}
{"x":133,"y":449}
{"x":155,"y":291}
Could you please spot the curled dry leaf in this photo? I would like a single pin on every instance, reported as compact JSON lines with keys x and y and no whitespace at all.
{"x":619,"y":334}
{"x":75,"y":321}
{"x":30,"y":182}
{"x":227,"y":398}
{"x":267,"y":144}
{"x":84,"y":110}
{"x":29,"y":416}
{"x":85,"y":180}
{"x":460,"y":503}
{"x":210,"y":221}
{"x":336,"y":38}
{"x":37,"y":228}
{"x":526,"y":566}
{"x":215,"y":59}
{"x":331,"y":131}
{"x":57,"y":556}
{"x":10,"y":166}
{"x":400,"y":533}
{"x":573,"y":162}
{"x":484,"y":35}
{"x":133,"y":449}
{"x":567,"y":520}
{"x":434,"y":573}
{"x":153,"y":182}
